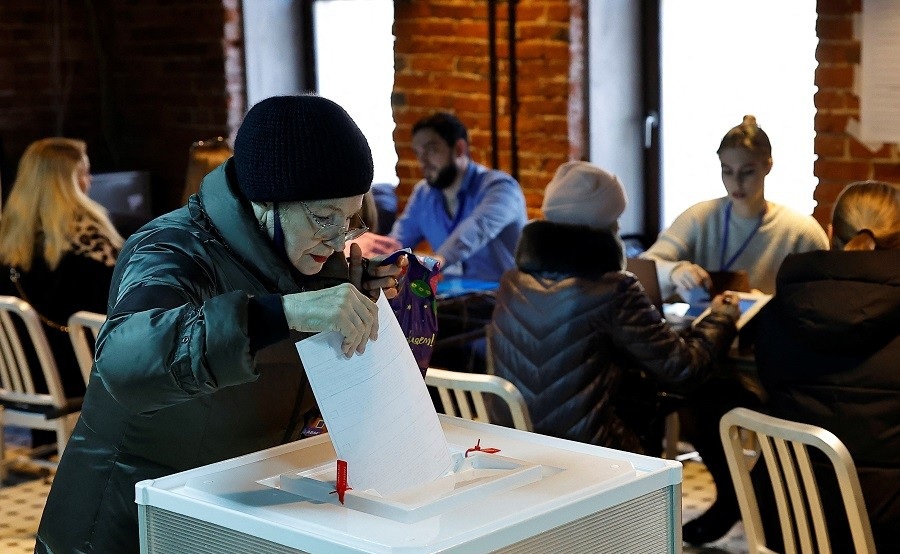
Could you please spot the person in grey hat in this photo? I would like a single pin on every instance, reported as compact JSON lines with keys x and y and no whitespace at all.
{"x":579,"y":337}
{"x":196,"y":362}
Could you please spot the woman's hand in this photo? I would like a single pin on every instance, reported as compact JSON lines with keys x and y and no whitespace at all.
{"x":342,"y":308}
{"x":726,"y":304}
{"x":687,"y":276}
{"x":374,"y":245}
{"x":370,"y":276}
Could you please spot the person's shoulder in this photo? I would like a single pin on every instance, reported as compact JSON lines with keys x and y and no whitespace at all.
{"x":704,"y":207}
{"x":803,"y":224}
{"x":175,"y":227}
{"x":491,"y":176}
{"x":781,"y":211}
{"x":420,"y":189}
{"x":713,"y":205}
{"x":702,"y":211}
{"x":90,"y":240}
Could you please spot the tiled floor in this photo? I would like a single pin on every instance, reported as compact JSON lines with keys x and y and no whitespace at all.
{"x":25,"y":489}
{"x":22,"y":498}
{"x":697,"y":493}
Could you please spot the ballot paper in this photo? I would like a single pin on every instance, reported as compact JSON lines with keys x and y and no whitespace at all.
{"x":376,"y":406}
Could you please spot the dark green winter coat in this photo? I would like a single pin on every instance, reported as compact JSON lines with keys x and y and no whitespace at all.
{"x":178,"y":381}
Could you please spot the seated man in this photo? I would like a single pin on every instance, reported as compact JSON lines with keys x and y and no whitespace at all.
{"x":470,"y":215}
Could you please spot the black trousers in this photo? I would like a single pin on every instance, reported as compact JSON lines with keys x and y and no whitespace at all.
{"x":699,"y":417}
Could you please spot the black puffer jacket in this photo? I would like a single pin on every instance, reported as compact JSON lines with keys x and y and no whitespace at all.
{"x":585,"y":346}
{"x":828,"y":353}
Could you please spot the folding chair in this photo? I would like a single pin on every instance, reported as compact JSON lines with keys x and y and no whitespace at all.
{"x":24,"y":406}
{"x":462,"y":395}
{"x":783,"y":445}
{"x":79,"y":323}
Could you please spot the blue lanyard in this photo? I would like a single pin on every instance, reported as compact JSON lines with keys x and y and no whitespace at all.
{"x":723,"y":266}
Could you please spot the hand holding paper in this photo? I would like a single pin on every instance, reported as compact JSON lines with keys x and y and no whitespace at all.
{"x":379,"y":414}
{"x":342,"y":308}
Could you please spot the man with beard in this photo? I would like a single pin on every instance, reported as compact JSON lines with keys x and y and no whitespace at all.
{"x":470,"y":215}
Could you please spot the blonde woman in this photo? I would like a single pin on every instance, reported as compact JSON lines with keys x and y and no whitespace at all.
{"x":829,"y":345}
{"x":57,"y":246}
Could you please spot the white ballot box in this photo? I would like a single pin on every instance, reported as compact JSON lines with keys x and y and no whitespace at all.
{"x":536,"y":494}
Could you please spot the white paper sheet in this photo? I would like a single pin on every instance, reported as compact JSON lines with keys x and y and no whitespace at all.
{"x":379,"y":414}
{"x":880,"y":76}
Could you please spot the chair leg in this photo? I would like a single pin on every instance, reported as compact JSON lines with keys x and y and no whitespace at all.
{"x":672,"y":435}
{"x":2,"y":448}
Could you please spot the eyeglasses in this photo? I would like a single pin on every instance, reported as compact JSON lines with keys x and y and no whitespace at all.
{"x":330,"y":231}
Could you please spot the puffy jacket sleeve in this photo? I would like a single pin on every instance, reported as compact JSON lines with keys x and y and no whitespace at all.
{"x":678,"y":362}
{"x":170,"y":336}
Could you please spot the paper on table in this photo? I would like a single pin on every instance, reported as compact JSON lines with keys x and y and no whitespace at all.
{"x":376,"y":406}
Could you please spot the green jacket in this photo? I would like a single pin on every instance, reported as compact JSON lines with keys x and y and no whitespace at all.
{"x":189,"y":370}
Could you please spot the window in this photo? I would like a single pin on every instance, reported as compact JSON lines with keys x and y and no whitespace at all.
{"x":354,"y":61}
{"x":720,"y":61}
{"x":354,"y":48}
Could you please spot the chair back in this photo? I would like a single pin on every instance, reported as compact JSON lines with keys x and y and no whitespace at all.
{"x":462,"y":395}
{"x":22,"y":344}
{"x":79,"y":324}
{"x":203,"y":157}
{"x":783,"y":445}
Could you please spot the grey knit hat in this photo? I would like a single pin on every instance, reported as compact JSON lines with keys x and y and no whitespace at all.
{"x":581,"y":193}
{"x":305,"y":147}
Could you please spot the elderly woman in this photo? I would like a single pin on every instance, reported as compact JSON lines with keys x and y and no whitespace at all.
{"x":196,"y":362}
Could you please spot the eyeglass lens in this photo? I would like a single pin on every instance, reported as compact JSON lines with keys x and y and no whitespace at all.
{"x":355,"y":228}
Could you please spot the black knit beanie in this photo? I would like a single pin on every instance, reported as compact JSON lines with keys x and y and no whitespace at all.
{"x":305,"y":147}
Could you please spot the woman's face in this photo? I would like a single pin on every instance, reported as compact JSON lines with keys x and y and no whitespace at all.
{"x":744,"y":174}
{"x":314,"y":230}
{"x":83,"y":174}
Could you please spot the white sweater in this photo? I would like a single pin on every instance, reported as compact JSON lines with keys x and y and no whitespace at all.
{"x":696,"y":236}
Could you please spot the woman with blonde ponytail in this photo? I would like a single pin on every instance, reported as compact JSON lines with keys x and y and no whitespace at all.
{"x":828,"y":350}
{"x":57,"y":246}
{"x":866,"y":217}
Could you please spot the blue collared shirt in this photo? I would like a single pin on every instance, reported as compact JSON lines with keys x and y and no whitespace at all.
{"x":482,"y":237}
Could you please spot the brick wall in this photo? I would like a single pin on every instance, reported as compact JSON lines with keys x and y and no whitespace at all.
{"x":139,"y":81}
{"x":442,"y":62}
{"x":842,"y":158}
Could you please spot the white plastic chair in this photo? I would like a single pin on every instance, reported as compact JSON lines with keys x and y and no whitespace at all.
{"x":24,"y":407}
{"x":462,"y":395}
{"x":783,"y":445}
{"x":79,"y":324}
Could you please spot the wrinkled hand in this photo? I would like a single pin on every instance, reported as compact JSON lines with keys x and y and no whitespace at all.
{"x":687,"y":276}
{"x":726,"y":304}
{"x":378,"y":277}
{"x":373,"y":245}
{"x":342,"y":308}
